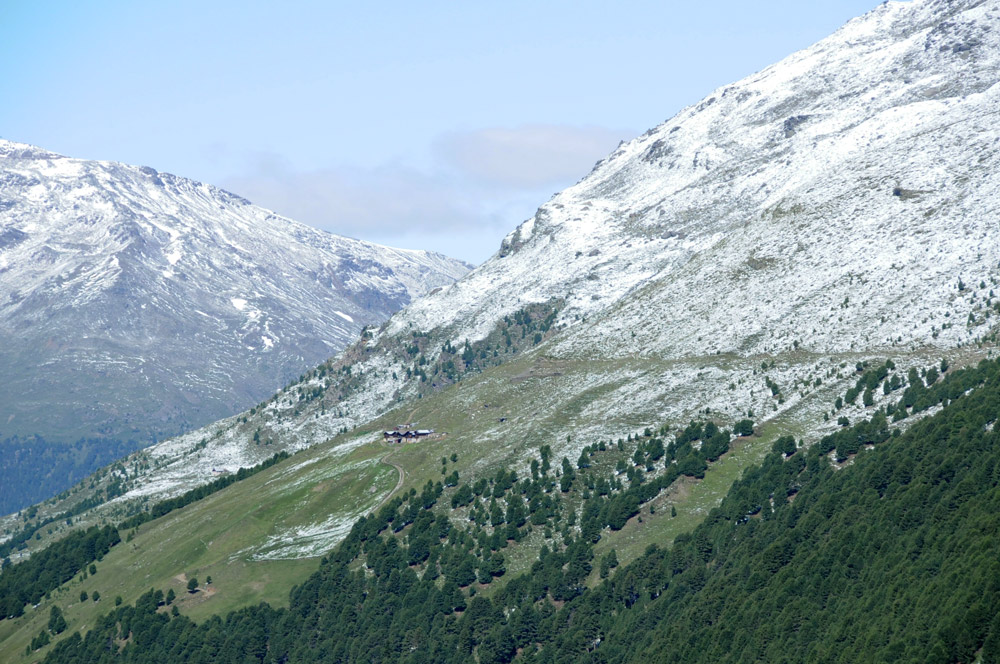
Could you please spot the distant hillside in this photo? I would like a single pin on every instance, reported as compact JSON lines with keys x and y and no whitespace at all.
{"x":135,"y":305}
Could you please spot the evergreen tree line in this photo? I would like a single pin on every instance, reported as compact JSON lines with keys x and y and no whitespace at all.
{"x":29,"y":581}
{"x":164,"y":507}
{"x":891,"y":558}
{"x":19,"y":540}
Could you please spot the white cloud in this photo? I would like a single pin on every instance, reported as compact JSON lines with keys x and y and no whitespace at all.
{"x":479,"y":185}
{"x":530,"y":155}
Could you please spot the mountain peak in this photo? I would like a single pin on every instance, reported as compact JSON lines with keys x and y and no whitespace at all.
{"x":137,"y":273}
{"x":15,"y":150}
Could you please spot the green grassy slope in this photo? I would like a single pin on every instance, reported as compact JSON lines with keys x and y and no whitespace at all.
{"x":222,"y":536}
{"x":887,"y":557}
{"x":259,"y":537}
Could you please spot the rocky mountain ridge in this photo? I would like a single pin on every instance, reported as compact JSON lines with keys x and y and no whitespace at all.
{"x":137,"y":304}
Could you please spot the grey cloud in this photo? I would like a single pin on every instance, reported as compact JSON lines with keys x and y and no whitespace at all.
{"x":530,"y":155}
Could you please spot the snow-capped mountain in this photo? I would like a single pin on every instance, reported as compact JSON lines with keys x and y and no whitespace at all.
{"x":840,"y":205}
{"x":136,"y":304}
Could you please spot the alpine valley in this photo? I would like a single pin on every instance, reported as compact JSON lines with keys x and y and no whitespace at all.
{"x":136,"y":305}
{"x":730,"y":397}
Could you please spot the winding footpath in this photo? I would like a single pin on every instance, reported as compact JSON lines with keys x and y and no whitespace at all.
{"x":399,"y":483}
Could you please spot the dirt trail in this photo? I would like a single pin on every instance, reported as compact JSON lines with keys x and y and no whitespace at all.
{"x":399,"y":483}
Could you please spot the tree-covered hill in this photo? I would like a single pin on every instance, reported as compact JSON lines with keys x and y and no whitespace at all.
{"x":34,"y":468}
{"x":888,"y":555}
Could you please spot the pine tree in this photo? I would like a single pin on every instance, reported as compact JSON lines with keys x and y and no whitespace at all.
{"x":57,"y":622}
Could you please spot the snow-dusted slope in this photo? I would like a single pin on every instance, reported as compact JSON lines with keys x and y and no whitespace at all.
{"x":136,"y":303}
{"x":842,"y":204}
{"x":865,"y":168}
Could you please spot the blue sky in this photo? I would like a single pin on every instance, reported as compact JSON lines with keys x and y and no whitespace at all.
{"x":424,"y":125}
